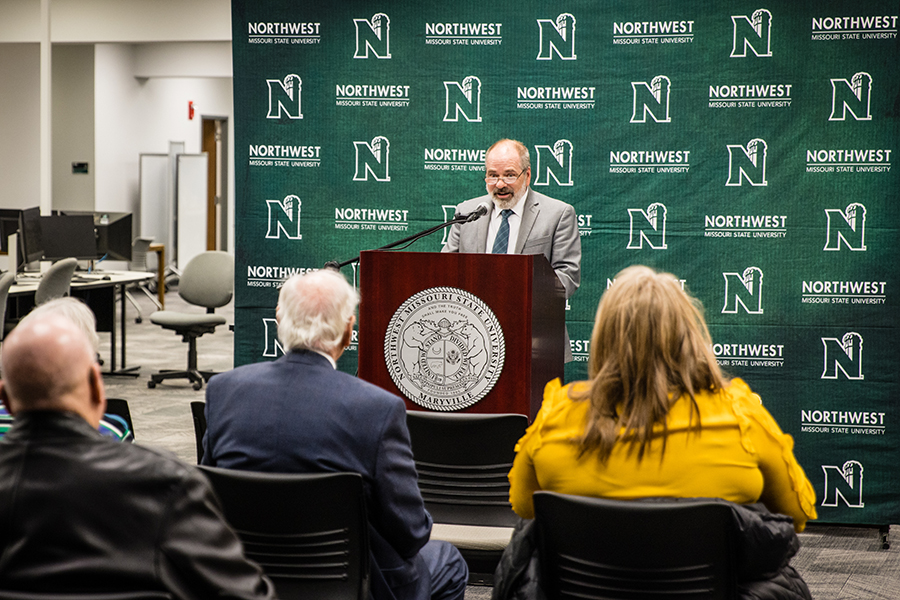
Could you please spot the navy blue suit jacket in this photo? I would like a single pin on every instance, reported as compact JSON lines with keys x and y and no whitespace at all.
{"x":297,"y":414}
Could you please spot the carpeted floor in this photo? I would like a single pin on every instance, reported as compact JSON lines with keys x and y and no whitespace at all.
{"x":838,"y":563}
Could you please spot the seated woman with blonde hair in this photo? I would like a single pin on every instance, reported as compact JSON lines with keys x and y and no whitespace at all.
{"x":657,"y":417}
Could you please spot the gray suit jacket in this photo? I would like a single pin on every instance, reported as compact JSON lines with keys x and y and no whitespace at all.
{"x":548,"y":227}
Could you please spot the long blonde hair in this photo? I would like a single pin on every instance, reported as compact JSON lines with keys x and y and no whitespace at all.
{"x":650,"y":346}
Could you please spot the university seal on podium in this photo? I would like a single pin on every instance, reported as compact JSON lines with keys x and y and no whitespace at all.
{"x":444,"y":348}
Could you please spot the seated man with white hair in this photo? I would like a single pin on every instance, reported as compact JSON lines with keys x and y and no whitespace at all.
{"x":298,"y":414}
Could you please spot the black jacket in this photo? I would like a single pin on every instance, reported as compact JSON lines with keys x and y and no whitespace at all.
{"x":81,"y":513}
{"x":766,"y":544}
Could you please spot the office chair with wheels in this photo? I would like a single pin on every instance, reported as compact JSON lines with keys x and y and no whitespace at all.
{"x":139,"y":249}
{"x":308,"y":531}
{"x":198,"y":412}
{"x":208,"y":281}
{"x":55,"y":283}
{"x":463,"y":460}
{"x":615,"y":549}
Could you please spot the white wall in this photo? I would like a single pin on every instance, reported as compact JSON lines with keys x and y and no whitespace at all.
{"x":189,"y":59}
{"x":73,"y":126}
{"x":137,"y":115}
{"x":20,"y":122}
{"x":118,"y":21}
{"x":21,"y":20}
{"x":117,"y":94}
{"x":149,"y":60}
{"x":164,"y":117}
{"x":140,"y":20}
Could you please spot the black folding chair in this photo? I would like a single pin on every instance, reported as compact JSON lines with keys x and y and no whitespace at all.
{"x":463,"y":460}
{"x":630,"y":550}
{"x":309,"y":532}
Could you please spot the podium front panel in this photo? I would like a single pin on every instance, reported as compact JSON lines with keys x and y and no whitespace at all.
{"x":526,"y":301}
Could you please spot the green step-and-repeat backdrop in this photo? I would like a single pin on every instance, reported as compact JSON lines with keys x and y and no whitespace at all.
{"x":747,"y":147}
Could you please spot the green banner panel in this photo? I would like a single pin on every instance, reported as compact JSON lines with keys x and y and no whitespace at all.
{"x":747,"y":148}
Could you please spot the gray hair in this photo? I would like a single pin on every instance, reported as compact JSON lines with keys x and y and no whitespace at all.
{"x":74,"y":310}
{"x":314,"y":309}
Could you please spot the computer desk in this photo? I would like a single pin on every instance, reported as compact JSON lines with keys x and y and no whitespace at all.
{"x":99,"y":294}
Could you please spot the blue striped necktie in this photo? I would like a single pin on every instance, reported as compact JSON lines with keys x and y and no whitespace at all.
{"x":501,"y":242}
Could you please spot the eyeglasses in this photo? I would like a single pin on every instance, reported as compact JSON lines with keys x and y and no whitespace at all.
{"x":492,"y":179}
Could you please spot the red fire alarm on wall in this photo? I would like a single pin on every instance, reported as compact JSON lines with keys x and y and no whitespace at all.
{"x":190,"y":110}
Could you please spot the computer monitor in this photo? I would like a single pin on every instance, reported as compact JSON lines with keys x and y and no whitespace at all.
{"x":114,"y":234}
{"x":31,"y":244}
{"x":67,"y":236}
{"x":9,"y":224}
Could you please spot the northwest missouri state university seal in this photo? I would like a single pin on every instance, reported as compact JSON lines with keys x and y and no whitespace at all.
{"x":444,"y":348}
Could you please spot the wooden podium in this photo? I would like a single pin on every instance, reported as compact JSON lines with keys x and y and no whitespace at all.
{"x":523,"y":293}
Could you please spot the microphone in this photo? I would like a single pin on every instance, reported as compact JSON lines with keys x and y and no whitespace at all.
{"x":482,"y":209}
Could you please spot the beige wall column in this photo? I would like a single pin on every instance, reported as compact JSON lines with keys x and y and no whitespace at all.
{"x":46,"y":111}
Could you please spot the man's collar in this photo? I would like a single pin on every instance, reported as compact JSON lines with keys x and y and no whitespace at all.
{"x":328,"y":357}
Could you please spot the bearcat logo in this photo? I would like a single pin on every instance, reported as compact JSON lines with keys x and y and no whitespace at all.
{"x":747,"y":163}
{"x":557,"y":37}
{"x":649,"y":226}
{"x":372,"y":158}
{"x":374,"y":35}
{"x":444,"y":348}
{"x":273,"y":347}
{"x":754,"y":33}
{"x":744,"y":289}
{"x":554,"y":162}
{"x":844,"y":482}
{"x":844,"y":355}
{"x":284,"y":218}
{"x":847,"y":226}
{"x":284,"y":97}
{"x":651,"y":99}
{"x":852,"y":96}
{"x":463,"y":99}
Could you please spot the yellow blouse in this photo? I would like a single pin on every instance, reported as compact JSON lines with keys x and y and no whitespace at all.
{"x":740,"y":455}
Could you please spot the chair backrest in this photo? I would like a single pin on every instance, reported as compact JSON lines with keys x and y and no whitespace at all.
{"x":140,"y":246}
{"x":308,"y":531}
{"x":594,"y":547}
{"x":198,"y":412}
{"x":463,"y":460}
{"x":208,"y":279}
{"x":56,"y":281}
{"x":7,"y":595}
{"x":6,"y":281}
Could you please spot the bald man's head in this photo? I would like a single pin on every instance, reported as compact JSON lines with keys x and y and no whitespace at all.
{"x":48,"y":364}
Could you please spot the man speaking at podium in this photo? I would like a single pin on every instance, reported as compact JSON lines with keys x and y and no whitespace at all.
{"x":518,"y":219}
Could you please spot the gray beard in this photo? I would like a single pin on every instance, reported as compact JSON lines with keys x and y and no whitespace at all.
{"x":511,"y":203}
